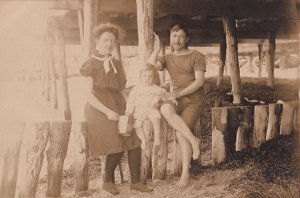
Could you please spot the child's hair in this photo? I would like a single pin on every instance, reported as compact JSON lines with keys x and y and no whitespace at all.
{"x":148,"y":67}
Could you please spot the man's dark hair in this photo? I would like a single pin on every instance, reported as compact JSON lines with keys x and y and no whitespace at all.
{"x":180,"y":26}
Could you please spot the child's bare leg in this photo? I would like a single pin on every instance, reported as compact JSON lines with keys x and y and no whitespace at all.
{"x":140,"y":133}
{"x":154,"y":117}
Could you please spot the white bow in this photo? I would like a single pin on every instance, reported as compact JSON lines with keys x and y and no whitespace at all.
{"x":107,"y":60}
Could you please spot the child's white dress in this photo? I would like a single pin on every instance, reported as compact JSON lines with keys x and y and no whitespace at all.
{"x":143,"y":102}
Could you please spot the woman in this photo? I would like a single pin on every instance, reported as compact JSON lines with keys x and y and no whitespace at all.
{"x":104,"y":105}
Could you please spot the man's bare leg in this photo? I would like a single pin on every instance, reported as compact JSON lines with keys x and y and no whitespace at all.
{"x":186,"y":156}
{"x":140,"y":133}
{"x":178,"y":123}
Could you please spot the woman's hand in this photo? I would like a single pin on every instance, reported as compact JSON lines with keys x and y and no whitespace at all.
{"x":113,"y":116}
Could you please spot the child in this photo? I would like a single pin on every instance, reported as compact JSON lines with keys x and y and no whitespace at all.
{"x":143,"y":103}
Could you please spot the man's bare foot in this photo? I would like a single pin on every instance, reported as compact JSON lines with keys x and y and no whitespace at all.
{"x":143,"y":145}
{"x":196,"y":148}
{"x":183,"y":182}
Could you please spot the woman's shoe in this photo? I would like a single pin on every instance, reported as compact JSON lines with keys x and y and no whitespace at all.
{"x":140,"y":187}
{"x":110,"y":187}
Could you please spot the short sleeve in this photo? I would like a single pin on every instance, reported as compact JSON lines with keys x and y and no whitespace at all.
{"x":87,"y":69}
{"x":199,"y":63}
{"x":163,"y":61}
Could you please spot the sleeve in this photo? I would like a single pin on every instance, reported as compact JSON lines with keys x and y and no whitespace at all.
{"x":163,"y":61}
{"x":130,"y":101}
{"x":87,"y":69}
{"x":199,"y":63}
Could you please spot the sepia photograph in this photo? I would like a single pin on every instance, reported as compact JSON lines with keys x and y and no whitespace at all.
{"x":150,"y":98}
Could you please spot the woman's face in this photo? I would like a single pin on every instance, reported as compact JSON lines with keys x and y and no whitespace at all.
{"x":106,"y":43}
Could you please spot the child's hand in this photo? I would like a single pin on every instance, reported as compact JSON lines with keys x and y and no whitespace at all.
{"x":174,"y":101}
{"x":168,"y":96}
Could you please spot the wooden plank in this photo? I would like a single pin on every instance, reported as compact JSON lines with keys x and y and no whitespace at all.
{"x":261,"y":117}
{"x":56,"y":154}
{"x":288,"y":114}
{"x":232,"y":59}
{"x":31,"y":158}
{"x":245,"y":128}
{"x":273,"y":129}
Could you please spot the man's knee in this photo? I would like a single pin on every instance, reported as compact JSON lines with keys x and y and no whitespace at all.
{"x":167,"y":110}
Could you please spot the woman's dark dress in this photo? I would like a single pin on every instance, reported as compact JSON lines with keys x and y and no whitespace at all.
{"x":103,"y":137}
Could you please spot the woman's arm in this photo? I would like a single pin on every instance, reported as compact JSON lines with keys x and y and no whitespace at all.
{"x":93,"y":101}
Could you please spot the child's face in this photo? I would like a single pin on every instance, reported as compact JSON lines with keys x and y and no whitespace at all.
{"x":147,"y":77}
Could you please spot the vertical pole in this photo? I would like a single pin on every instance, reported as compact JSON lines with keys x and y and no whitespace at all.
{"x":145,"y":36}
{"x":62,"y":70}
{"x":232,"y":58}
{"x":222,"y":59}
{"x":283,"y":59}
{"x":87,"y":29}
{"x":270,"y":58}
{"x":250,"y":63}
{"x":260,"y":59}
{"x":80,"y":24}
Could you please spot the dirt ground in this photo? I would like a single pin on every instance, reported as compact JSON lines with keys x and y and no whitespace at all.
{"x":272,"y":171}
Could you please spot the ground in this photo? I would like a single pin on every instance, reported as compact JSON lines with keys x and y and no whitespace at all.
{"x":271,"y":171}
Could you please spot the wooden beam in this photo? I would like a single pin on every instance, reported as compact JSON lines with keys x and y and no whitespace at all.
{"x":232,"y":58}
{"x":66,"y":5}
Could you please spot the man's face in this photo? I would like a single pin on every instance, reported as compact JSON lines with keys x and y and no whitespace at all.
{"x":178,"y":40}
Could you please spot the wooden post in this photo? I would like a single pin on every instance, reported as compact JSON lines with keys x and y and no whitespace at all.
{"x":270,"y":58}
{"x":260,"y":59}
{"x":145,"y":36}
{"x":56,"y":153}
{"x":283,"y":60}
{"x":245,"y":128}
{"x":222,"y":61}
{"x":80,"y":151}
{"x":31,"y":158}
{"x":47,"y":78}
{"x":80,"y":24}
{"x":274,"y":121}
{"x":288,"y":114}
{"x":9,"y":157}
{"x":51,"y":65}
{"x":261,"y":117}
{"x":232,"y":58}
{"x":62,"y":70}
{"x":88,"y":24}
{"x":250,"y":63}
{"x":162,"y":74}
{"x":147,"y":153}
{"x":296,"y":121}
{"x":160,"y":154}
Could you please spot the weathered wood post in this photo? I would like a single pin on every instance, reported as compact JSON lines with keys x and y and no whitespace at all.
{"x":270,"y":57}
{"x":260,"y":59}
{"x":275,"y":111}
{"x":261,"y":117}
{"x":31,"y":158}
{"x":62,"y":70}
{"x":288,"y":115}
{"x":145,"y":37}
{"x":232,"y":58}
{"x":222,"y":61}
{"x":56,"y":153}
{"x":80,"y":151}
{"x":245,"y":128}
{"x":51,"y":65}
{"x":88,"y":25}
{"x":283,"y":60}
{"x":9,"y":157}
{"x":250,"y":63}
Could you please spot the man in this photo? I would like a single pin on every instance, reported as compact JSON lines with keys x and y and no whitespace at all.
{"x":186,"y":68}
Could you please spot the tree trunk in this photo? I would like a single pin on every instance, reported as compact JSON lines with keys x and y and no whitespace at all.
{"x":232,"y":58}
{"x":147,"y":153}
{"x":260,"y":59}
{"x":160,"y":154}
{"x":9,"y":158}
{"x":288,"y":114}
{"x":222,"y":61}
{"x":245,"y":128}
{"x":81,"y":155}
{"x":31,"y":158}
{"x":270,"y":58}
{"x":250,"y":63}
{"x":56,"y":154}
{"x":274,"y":121}
{"x":62,"y":70}
{"x":88,"y":23}
{"x":261,"y":117}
